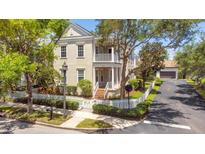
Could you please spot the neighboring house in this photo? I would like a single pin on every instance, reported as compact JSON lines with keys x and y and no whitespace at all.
{"x":86,"y":60}
{"x":170,"y":71}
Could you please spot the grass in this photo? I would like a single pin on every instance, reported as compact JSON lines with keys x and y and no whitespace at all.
{"x":40,"y":116}
{"x":196,"y":87}
{"x":153,"y":94}
{"x":137,"y":94}
{"x":91,"y":123}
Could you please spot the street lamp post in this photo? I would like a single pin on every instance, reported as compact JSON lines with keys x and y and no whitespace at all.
{"x":64,"y":69}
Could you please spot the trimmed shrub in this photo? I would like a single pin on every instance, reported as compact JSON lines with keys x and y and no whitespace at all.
{"x":72,"y":105}
{"x":140,"y":81}
{"x":72,"y":90}
{"x":203,"y":83}
{"x":136,"y":113}
{"x":86,"y":87}
{"x":158,"y":81}
{"x":134,"y":83}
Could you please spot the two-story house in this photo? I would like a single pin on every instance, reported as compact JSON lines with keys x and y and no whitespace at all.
{"x":86,"y":60}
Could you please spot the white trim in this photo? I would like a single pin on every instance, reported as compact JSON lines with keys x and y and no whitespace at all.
{"x":113,"y":77}
{"x":167,"y":125}
{"x":83,"y":73}
{"x":82,"y":50}
{"x":65,"y":52}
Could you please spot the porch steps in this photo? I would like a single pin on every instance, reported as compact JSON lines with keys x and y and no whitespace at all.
{"x":100,"y":93}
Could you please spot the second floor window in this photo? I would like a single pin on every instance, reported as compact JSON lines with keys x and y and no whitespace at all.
{"x":63,"y":51}
{"x":80,"y":51}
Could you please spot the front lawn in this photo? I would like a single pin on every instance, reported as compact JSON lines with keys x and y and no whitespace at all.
{"x":40,"y":116}
{"x":197,"y":88}
{"x":91,"y":123}
{"x":137,"y":94}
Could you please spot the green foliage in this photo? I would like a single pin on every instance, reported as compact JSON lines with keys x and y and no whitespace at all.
{"x":86,"y":87}
{"x":12,"y":67}
{"x":125,"y":35}
{"x":191,"y":61}
{"x":158,"y":81}
{"x":72,"y":90}
{"x":91,"y":123}
{"x":71,"y":105}
{"x":136,"y":113}
{"x":21,"y":114}
{"x":134,"y":83}
{"x":35,"y":39}
{"x":152,"y":57}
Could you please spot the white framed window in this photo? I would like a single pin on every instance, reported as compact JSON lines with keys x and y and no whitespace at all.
{"x":80,"y":51}
{"x":81,"y":74}
{"x":63,"y":52}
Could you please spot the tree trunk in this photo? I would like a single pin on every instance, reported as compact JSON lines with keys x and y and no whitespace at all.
{"x":123,"y":79}
{"x":29,"y":92}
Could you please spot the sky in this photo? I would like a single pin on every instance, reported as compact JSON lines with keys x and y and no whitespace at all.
{"x":90,"y":24}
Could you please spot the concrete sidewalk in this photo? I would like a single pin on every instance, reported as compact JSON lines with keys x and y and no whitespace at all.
{"x":79,"y":116}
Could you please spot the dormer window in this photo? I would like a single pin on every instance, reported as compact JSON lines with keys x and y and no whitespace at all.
{"x":63,"y":51}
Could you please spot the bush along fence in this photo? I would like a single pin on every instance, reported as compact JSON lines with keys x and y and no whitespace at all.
{"x":87,"y":103}
{"x":123,"y":104}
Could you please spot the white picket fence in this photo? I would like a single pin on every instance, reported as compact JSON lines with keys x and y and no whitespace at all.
{"x":87,"y":103}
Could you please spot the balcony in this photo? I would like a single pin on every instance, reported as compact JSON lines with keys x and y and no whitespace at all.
{"x":106,"y":57}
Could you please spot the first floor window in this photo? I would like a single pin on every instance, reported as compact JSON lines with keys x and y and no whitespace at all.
{"x":63,"y":51}
{"x":81,"y":74}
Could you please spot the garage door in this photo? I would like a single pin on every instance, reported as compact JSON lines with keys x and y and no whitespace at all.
{"x":168,"y":74}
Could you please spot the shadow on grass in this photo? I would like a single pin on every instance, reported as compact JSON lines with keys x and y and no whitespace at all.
{"x":7,"y":127}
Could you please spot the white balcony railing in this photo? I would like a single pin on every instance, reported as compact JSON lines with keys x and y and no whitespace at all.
{"x":106,"y":57}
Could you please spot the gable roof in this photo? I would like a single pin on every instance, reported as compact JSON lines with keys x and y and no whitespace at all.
{"x":170,"y":63}
{"x":77,"y":28}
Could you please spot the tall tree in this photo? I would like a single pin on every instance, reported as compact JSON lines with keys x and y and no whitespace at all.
{"x":12,"y":67}
{"x":32,"y":38}
{"x":191,"y":60}
{"x":127,"y":35}
{"x":151,"y":59}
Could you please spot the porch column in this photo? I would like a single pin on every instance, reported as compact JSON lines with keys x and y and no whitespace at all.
{"x":112,"y":54}
{"x":117,"y":76}
{"x":94,"y":77}
{"x":113,"y":77}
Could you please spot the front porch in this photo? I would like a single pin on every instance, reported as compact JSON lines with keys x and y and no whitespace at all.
{"x":107,"y":76}
{"x":105,"y":79}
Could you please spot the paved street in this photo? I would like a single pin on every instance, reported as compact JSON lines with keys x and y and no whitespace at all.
{"x":8,"y":126}
{"x":177,"y":109}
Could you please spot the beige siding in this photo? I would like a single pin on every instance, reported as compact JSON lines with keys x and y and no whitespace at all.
{"x":74,"y":62}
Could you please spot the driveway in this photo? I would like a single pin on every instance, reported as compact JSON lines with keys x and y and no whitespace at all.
{"x":177,"y":109}
{"x":8,"y":126}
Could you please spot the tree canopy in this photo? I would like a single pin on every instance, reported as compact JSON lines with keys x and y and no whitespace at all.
{"x":151,"y":59}
{"x":35,"y":39}
{"x":128,"y":34}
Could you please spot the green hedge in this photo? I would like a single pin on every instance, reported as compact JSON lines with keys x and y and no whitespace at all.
{"x":158,"y":81}
{"x":134,"y":83}
{"x":72,"y":105}
{"x":136,"y":113}
{"x":86,"y":87}
{"x":72,"y":90}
